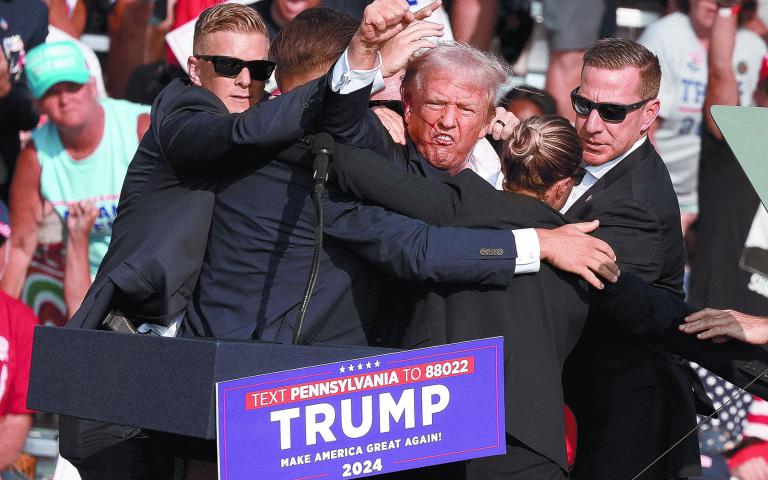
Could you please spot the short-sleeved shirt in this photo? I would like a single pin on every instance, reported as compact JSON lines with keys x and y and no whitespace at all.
{"x":683,"y":62}
{"x":16,"y":326}
{"x":98,"y":177}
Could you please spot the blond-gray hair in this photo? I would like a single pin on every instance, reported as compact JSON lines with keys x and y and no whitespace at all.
{"x":484,"y":69}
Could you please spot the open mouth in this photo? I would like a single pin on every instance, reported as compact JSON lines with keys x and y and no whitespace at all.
{"x":443,"y":139}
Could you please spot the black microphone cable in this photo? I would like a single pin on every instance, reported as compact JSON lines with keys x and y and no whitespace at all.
{"x":322,"y":149}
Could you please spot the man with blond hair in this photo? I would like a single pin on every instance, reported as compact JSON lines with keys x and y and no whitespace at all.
{"x":158,"y":239}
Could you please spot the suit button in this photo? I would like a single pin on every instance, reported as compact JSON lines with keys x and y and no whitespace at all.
{"x":491,"y":252}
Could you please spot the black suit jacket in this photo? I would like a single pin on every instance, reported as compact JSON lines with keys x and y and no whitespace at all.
{"x":541,"y":315}
{"x":164,"y":214}
{"x":618,"y":385}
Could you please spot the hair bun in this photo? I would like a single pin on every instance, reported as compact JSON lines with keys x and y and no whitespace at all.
{"x":525,"y":141}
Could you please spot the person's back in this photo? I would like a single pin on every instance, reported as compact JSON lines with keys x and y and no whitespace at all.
{"x":540,"y":316}
{"x":258,"y":259}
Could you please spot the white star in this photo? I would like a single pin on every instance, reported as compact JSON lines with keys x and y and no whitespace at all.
{"x":351,"y":368}
{"x":359,"y":366}
{"x":368,"y":365}
{"x":342,"y":369}
{"x":376,"y":363}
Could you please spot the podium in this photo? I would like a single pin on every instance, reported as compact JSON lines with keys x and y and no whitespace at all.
{"x":156,"y":383}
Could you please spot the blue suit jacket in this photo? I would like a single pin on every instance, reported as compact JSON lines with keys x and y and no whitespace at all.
{"x":164,"y":214}
{"x":260,"y":250}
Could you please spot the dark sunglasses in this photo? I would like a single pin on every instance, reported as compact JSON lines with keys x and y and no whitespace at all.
{"x":231,"y":67}
{"x":609,"y":112}
{"x":578,"y":176}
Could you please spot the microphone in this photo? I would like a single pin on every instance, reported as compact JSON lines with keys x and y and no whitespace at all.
{"x":322,"y":149}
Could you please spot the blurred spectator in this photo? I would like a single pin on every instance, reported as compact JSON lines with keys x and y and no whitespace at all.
{"x":16,"y":325}
{"x":722,"y":276}
{"x":128,"y":24}
{"x":752,"y":19}
{"x":91,"y":60}
{"x":23,"y":25}
{"x":16,"y":113}
{"x":67,"y":15}
{"x":153,"y":73}
{"x":81,"y":154}
{"x":514,"y":28}
{"x":750,"y":460}
{"x":681,"y":41}
{"x":572,"y":27}
{"x":276,"y":13}
{"x":525,"y":101}
{"x":474,"y":21}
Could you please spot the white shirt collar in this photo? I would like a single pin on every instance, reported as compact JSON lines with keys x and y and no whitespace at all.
{"x":486,"y":163}
{"x":599,"y":171}
{"x":595,"y":173}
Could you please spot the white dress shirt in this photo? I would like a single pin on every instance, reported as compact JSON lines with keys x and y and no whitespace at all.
{"x":485,"y":162}
{"x":595,"y":173}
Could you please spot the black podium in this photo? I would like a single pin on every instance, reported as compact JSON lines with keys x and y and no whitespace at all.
{"x":163,"y":384}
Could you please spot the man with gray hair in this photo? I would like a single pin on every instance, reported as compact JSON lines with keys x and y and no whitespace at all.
{"x":449,"y":93}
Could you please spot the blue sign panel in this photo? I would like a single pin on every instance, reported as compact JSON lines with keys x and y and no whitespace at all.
{"x":365,"y":417}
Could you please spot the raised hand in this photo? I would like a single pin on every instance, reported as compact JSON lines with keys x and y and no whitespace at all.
{"x":502,"y":124}
{"x":382,"y":20}
{"x":82,"y":216}
{"x":398,"y":50}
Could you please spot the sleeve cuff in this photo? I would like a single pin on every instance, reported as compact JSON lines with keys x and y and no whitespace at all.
{"x":528,"y":251}
{"x":344,"y":80}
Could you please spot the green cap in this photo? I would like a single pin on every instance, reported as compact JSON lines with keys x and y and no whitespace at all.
{"x":52,"y":63}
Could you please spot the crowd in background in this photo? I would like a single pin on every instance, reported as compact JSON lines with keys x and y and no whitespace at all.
{"x":62,"y":199}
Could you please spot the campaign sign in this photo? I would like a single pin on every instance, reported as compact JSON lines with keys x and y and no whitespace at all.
{"x":364,"y":417}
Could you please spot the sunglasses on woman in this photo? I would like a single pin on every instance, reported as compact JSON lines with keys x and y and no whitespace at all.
{"x":609,"y":112}
{"x":231,"y":67}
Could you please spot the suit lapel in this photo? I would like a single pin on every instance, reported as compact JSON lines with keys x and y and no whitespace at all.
{"x":645,"y":149}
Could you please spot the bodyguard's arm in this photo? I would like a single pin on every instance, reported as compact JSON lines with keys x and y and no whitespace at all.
{"x":657,"y":313}
{"x":412,"y":250}
{"x":196,"y":132}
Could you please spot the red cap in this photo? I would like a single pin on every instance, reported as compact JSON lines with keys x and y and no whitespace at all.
{"x":764,"y":69}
